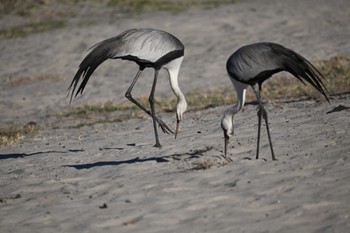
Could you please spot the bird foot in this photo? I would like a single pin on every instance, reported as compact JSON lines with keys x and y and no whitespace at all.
{"x":164,"y":127}
{"x":228,"y":159}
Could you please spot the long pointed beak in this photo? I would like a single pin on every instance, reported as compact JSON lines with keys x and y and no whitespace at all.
{"x":226,"y":143}
{"x":177,"y":127}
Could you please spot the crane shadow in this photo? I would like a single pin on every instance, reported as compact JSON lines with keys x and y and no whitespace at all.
{"x":116,"y":163}
{"x":339,"y":108}
{"x":22,"y":155}
{"x":192,"y":154}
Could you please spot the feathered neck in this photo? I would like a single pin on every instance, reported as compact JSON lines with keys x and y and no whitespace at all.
{"x":240,"y":92}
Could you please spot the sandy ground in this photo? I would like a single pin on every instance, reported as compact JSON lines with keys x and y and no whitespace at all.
{"x":110,"y":178}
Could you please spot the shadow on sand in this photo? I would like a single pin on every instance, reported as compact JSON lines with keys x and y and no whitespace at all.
{"x":116,"y":163}
{"x":189,"y":155}
{"x":22,"y":155}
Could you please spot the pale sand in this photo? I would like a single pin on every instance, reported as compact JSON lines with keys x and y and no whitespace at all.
{"x":61,"y":179}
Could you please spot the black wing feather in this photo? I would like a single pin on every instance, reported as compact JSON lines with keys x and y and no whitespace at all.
{"x":100,"y":53}
{"x":146,"y":47}
{"x":255,"y":63}
{"x":302,"y":69}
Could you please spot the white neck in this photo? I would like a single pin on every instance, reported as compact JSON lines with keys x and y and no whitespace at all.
{"x":227,"y":119}
{"x":240,"y":92}
{"x":173,"y":69}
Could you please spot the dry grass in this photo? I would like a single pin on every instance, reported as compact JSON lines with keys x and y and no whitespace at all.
{"x":22,"y":80}
{"x":209,"y":163}
{"x":30,"y":28}
{"x":336,"y":70}
{"x":93,"y":119}
{"x":30,"y":7}
{"x":46,"y":15}
{"x":284,"y":86}
{"x":13,"y":134}
{"x":136,"y":7}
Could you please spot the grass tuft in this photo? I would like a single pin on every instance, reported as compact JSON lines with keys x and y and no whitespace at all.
{"x":46,"y":15}
{"x":209,"y":163}
{"x":13,"y":134}
{"x":22,"y":80}
{"x":30,"y":28}
{"x":141,"y":6}
{"x":336,"y":70}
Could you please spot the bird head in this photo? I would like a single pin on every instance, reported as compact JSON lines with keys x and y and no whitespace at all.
{"x":181,"y":107}
{"x":227,"y":127}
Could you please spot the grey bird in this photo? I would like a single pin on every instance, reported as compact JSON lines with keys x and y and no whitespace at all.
{"x":251,"y":65}
{"x":149,"y":48}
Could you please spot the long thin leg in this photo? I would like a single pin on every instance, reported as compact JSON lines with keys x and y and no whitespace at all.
{"x":268,"y":133}
{"x":257,"y":94}
{"x":128,"y":95}
{"x":259,"y":127}
{"x":151,"y":102}
{"x":262,"y":112}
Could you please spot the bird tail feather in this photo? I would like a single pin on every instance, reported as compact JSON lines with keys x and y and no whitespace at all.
{"x":100,"y":53}
{"x":305,"y":71}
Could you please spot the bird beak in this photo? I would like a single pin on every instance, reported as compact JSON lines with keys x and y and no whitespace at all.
{"x":226,"y":143}
{"x":177,"y":126}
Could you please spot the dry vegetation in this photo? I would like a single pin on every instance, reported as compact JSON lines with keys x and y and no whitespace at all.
{"x":14,"y":133}
{"x":336,"y":70}
{"x":22,"y":80}
{"x":131,"y":6}
{"x":43,"y":15}
{"x":209,"y":163}
{"x":35,"y":16}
